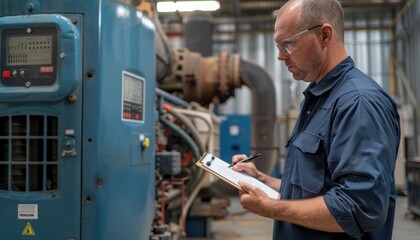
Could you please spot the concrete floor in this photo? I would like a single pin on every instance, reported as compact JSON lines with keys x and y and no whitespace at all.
{"x":241,"y":225}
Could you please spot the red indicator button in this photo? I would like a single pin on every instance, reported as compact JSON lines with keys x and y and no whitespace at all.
{"x":46,"y":69}
{"x":6,"y":74}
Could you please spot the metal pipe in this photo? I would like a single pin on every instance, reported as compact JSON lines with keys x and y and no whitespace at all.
{"x":264,"y":128}
{"x":189,"y":125}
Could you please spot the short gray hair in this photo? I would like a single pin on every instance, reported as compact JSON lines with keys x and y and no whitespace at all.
{"x":315,"y":12}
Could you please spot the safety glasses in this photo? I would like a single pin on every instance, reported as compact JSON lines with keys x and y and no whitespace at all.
{"x":288,"y":46}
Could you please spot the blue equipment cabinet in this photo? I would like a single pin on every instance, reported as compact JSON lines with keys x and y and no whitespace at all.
{"x":77,"y":92}
{"x":235,"y":136}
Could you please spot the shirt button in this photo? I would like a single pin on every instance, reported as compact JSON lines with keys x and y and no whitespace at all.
{"x":308,"y":112}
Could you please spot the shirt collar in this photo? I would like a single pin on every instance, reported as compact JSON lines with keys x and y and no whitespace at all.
{"x":331,"y":79}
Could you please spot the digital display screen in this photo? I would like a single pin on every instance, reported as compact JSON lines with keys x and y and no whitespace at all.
{"x":29,"y":50}
{"x":133,"y":97}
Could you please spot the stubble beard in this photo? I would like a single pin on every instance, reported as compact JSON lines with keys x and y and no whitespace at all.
{"x":309,"y":71}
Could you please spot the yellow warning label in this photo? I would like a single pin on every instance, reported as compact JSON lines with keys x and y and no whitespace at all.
{"x":28,"y":230}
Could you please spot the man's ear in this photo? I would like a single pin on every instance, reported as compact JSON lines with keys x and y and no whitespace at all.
{"x":326,"y":33}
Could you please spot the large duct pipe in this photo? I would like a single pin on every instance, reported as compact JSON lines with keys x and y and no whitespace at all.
{"x":263,"y":114}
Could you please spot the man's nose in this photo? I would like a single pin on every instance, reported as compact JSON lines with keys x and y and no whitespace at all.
{"x":281,"y":56}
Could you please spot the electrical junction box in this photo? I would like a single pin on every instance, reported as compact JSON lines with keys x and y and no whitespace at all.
{"x":168,"y":163}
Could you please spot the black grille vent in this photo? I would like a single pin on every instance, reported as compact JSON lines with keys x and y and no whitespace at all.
{"x":28,"y":153}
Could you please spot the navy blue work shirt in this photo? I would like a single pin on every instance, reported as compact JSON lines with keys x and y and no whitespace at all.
{"x":343,"y":147}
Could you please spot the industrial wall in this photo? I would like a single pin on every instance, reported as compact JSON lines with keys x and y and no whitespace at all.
{"x":407,"y":48}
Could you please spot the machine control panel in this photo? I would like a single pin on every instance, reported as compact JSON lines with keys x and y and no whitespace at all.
{"x":28,"y":57}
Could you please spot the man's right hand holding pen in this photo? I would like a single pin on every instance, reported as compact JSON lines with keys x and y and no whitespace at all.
{"x":250,"y":169}
{"x":247,"y":167}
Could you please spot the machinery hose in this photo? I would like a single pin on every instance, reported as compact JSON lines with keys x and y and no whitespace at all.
{"x":184,"y":135}
{"x":189,"y":125}
{"x":198,"y":173}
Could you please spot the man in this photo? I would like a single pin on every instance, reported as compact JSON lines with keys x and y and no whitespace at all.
{"x":338,"y":180}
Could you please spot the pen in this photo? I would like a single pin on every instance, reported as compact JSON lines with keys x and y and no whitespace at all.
{"x":246,"y":159}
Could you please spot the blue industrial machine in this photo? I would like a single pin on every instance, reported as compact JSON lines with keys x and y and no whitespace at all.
{"x":102,"y":121}
{"x":77,"y":118}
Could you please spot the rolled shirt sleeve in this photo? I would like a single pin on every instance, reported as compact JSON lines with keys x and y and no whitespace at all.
{"x":362,"y":160}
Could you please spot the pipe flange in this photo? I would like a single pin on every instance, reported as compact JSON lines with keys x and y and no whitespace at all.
{"x":224,"y":76}
{"x":235,"y":69}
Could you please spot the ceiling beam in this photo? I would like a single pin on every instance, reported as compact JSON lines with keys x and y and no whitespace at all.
{"x":236,"y":9}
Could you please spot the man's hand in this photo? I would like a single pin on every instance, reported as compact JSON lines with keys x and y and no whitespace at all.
{"x":251,"y":198}
{"x":248,"y":168}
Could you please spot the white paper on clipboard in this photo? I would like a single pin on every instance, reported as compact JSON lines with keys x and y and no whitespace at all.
{"x":221,"y":169}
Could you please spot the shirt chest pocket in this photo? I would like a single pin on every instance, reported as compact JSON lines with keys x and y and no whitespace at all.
{"x":308,"y":159}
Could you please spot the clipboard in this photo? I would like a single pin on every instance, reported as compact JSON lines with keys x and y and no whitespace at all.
{"x":221,"y":169}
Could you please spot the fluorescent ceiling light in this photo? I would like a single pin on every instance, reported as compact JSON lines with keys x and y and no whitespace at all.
{"x":187,"y":6}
